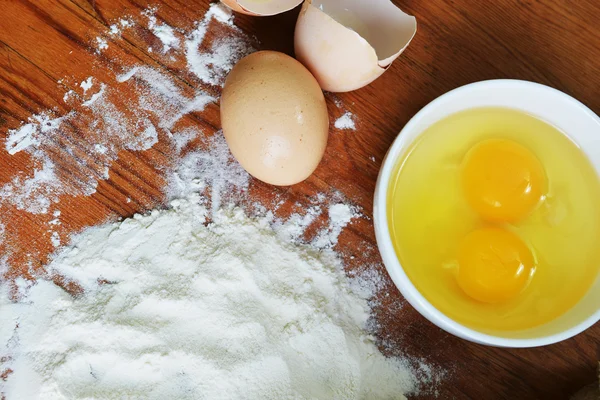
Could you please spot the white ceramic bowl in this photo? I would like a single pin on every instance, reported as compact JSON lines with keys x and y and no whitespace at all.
{"x":550,"y":105}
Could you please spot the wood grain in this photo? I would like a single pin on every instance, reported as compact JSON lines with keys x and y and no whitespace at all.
{"x":47,"y":48}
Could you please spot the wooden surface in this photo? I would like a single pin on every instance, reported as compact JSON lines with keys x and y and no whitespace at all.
{"x":46,"y":49}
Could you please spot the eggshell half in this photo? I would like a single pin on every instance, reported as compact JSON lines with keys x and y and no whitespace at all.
{"x":348,"y":44}
{"x":274,"y":118}
{"x":261,"y":7}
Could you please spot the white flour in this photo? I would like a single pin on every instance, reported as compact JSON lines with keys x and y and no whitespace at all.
{"x":213,"y":171}
{"x":159,"y":95}
{"x":193,"y":311}
{"x":212,"y":66}
{"x":346,"y":121}
{"x":101,"y":43}
{"x":87,"y":84}
{"x":164,"y":32}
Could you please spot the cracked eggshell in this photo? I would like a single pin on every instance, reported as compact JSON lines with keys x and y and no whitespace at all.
{"x":348,"y":44}
{"x":274,"y":118}
{"x":261,"y":7}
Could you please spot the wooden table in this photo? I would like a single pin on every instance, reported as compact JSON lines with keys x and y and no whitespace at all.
{"x":46,"y":49}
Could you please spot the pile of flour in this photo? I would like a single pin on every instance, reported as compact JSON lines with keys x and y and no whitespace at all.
{"x":174,"y":307}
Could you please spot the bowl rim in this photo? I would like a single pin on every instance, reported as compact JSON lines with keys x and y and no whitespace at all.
{"x":386,"y":248}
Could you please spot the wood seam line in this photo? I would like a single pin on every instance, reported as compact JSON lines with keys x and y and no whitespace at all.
{"x":58,"y":146}
{"x":518,"y":55}
{"x":17,"y":101}
{"x":58,"y":27}
{"x":124,"y":166}
{"x":50,"y":21}
{"x":79,"y":147}
{"x":213,"y":92}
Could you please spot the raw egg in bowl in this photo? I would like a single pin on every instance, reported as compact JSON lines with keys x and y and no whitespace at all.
{"x":487,"y":213}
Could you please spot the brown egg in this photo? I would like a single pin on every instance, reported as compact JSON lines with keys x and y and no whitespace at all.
{"x":274,"y":118}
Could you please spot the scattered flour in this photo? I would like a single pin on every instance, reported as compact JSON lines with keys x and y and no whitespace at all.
{"x":114,"y":30}
{"x":22,"y":285}
{"x":101,"y":43}
{"x":346,"y":121}
{"x":55,"y":239}
{"x":160,"y":104}
{"x":68,"y":95}
{"x":110,"y":130}
{"x":55,"y":221}
{"x":4,"y":267}
{"x":293,"y":228}
{"x":95,"y":96}
{"x":213,"y":171}
{"x":336,"y":100}
{"x":340,"y":216}
{"x":31,"y":134}
{"x":176,"y":308}
{"x":184,"y":137}
{"x":35,"y":193}
{"x":125,"y":23}
{"x":87,"y":84}
{"x":211,"y":67}
{"x":164,"y":32}
{"x":159,"y":95}
{"x":43,"y":136}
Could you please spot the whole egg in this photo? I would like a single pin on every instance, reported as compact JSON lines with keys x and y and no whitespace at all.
{"x":274,"y":118}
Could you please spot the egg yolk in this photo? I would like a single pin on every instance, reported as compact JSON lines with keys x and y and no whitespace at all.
{"x":494,"y":265}
{"x":502,"y":180}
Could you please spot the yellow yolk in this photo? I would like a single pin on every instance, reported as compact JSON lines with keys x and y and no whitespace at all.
{"x":494,"y":265}
{"x":502,"y":180}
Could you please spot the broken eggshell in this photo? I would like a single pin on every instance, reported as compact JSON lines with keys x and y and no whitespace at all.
{"x":261,"y":7}
{"x":348,"y":44}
